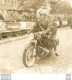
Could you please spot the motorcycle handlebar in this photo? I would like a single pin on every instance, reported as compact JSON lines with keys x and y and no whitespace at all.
{"x":40,"y":32}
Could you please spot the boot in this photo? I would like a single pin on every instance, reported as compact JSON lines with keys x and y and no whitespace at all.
{"x":56,"y":54}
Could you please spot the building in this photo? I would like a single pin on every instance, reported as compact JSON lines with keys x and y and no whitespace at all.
{"x":8,"y":4}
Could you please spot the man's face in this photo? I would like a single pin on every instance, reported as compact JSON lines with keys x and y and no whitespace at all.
{"x":42,"y":16}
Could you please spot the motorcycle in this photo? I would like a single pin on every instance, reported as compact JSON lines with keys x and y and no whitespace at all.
{"x":35,"y":49}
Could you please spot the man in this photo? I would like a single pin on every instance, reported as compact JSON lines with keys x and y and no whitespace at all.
{"x":49,"y":36}
{"x":53,"y":36}
{"x":70,"y":21}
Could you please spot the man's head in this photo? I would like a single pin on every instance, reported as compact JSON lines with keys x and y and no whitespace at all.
{"x":54,"y":23}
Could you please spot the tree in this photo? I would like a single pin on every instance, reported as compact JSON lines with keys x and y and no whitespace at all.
{"x":26,"y":4}
{"x":57,"y":6}
{"x":61,"y":7}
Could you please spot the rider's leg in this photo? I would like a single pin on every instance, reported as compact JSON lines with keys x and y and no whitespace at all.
{"x":55,"y":49}
{"x":50,"y":51}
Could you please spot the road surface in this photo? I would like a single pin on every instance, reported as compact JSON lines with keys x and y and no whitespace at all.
{"x":11,"y":54}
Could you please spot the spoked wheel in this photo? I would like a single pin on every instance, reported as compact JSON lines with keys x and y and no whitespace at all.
{"x":29,"y":56}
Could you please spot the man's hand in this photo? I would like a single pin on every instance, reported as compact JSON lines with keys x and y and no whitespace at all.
{"x":31,"y":31}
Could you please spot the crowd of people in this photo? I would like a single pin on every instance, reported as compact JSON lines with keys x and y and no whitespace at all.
{"x":63,"y":19}
{"x":15,"y":16}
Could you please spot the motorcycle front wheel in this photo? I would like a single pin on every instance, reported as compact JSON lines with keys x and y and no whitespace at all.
{"x":29,"y":56}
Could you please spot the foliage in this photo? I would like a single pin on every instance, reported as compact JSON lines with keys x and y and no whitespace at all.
{"x":61,"y":8}
{"x":57,"y":6}
{"x":26,"y":4}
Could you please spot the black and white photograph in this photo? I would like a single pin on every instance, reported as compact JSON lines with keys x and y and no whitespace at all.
{"x":35,"y":37}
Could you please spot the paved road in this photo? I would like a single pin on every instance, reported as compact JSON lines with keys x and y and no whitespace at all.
{"x":11,"y":54}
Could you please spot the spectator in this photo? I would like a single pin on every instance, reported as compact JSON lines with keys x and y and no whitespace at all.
{"x":23,"y":16}
{"x":70,"y":21}
{"x":20,"y":17}
{"x":26,"y":15}
{"x":9,"y":16}
{"x":15,"y":16}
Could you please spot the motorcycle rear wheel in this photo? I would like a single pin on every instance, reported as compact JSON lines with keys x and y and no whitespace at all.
{"x":29,"y":56}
